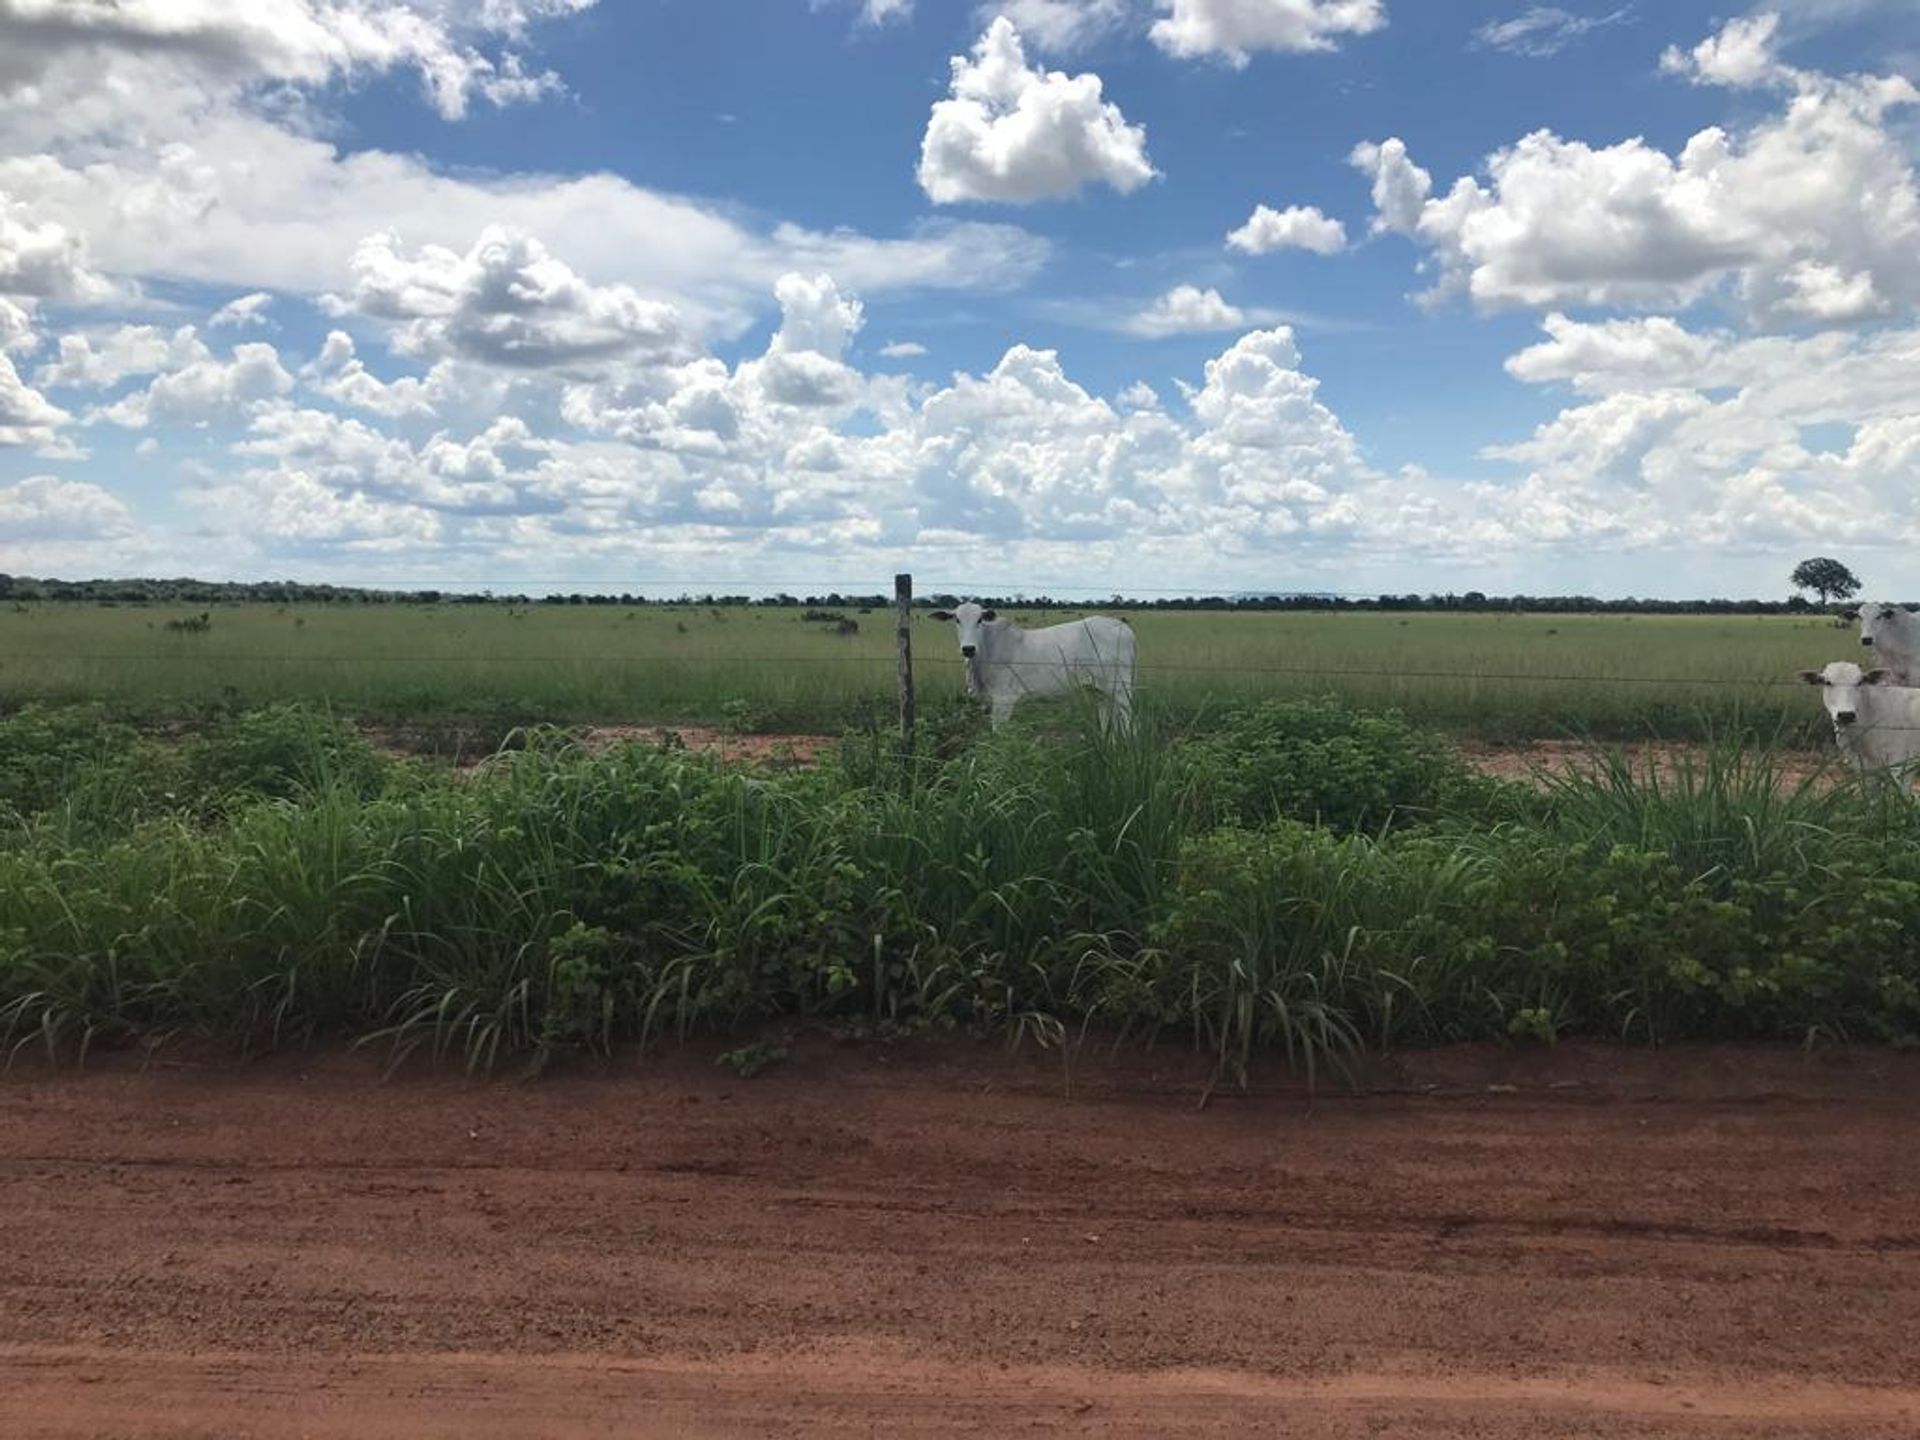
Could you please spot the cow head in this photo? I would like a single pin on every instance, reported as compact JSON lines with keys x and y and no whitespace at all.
{"x":968,"y":619}
{"x":1840,"y":686}
{"x":1878,"y":620}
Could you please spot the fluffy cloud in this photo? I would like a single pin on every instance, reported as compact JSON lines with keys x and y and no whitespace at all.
{"x":26,"y":416}
{"x":1234,"y":29}
{"x":1543,"y":30}
{"x":191,"y":143}
{"x":16,"y":328}
{"x":101,"y":361}
{"x":903,"y":350}
{"x":1739,"y":56}
{"x":339,"y":374}
{"x":1814,"y":213}
{"x":1675,"y":436}
{"x":486,"y":473}
{"x":238,"y":200}
{"x":240,"y":313}
{"x":1299,"y":227}
{"x":1058,"y":27}
{"x":198,"y":386}
{"x":1400,"y":187}
{"x":1185,"y":310}
{"x":508,"y":302}
{"x":302,"y":42}
{"x":41,"y":260}
{"x":45,"y":507}
{"x":1012,"y":133}
{"x":879,"y":12}
{"x":795,"y":450}
{"x":1715,"y":439}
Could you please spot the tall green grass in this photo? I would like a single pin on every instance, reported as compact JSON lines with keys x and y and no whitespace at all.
{"x":1304,"y":881}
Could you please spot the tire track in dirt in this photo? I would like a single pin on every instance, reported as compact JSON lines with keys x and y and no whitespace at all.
{"x":77,"y":1392}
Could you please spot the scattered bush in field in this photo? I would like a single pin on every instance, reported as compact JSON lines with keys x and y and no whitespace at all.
{"x":192,"y":625}
{"x":1024,"y":883}
{"x":842,"y":624}
{"x":741,"y":717}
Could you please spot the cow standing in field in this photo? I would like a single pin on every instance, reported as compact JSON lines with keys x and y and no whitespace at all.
{"x":1875,"y":722}
{"x":1893,"y":634}
{"x":1006,"y":664}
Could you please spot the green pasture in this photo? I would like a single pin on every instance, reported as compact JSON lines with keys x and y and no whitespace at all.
{"x":1495,"y":675}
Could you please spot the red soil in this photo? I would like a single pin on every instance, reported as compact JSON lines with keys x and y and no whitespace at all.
{"x":940,"y":1242}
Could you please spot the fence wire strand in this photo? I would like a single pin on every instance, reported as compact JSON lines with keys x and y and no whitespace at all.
{"x":937,"y":661}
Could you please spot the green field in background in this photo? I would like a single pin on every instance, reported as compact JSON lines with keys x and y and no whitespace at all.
{"x":1496,"y":675}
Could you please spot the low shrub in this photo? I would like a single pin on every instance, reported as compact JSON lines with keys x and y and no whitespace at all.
{"x":1322,"y":762}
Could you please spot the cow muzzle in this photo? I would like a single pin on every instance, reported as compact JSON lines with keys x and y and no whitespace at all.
{"x":1844,"y":717}
{"x":1866,"y":640}
{"x":967,"y":651}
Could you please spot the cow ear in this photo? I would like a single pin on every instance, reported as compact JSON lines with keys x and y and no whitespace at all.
{"x":941,"y":615}
{"x":1875,"y":677}
{"x":989,"y":614}
{"x":1850,"y":614}
{"x":1813,"y":677}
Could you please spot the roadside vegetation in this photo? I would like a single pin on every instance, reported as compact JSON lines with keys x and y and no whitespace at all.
{"x":1295,"y":879}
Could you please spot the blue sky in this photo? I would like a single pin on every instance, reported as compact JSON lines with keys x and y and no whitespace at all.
{"x":1612,"y":297}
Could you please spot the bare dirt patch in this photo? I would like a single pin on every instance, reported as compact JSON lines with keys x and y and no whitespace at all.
{"x":466,"y":751}
{"x":1537,"y":760}
{"x":704,"y":740}
{"x":939,"y":1242}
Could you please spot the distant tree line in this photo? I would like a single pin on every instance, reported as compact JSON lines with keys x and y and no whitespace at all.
{"x":286,"y":592}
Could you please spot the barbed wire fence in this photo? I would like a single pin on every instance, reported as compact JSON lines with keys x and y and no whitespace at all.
{"x":905,"y":663}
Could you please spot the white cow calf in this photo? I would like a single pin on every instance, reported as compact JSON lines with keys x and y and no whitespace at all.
{"x":1875,"y":723}
{"x":1893,"y":634}
{"x":1006,"y":664}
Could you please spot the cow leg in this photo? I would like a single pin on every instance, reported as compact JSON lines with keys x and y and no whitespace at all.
{"x":1119,"y":712}
{"x":1002,"y":708}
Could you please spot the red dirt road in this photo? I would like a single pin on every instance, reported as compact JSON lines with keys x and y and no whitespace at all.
{"x":1579,"y":1243}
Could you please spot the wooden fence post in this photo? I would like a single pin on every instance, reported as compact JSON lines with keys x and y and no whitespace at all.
{"x":903,"y":602}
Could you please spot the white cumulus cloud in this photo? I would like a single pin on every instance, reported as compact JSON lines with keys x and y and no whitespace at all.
{"x":1811,"y":212}
{"x":304,"y":42}
{"x":507,"y":301}
{"x":198,"y":386}
{"x":1234,"y":29}
{"x":100,"y":361}
{"x":1298,"y":227}
{"x":1186,"y":310}
{"x":26,"y":416}
{"x":1707,"y":438}
{"x":46,"y":507}
{"x":1739,"y":55}
{"x":1011,"y":133}
{"x":240,"y":313}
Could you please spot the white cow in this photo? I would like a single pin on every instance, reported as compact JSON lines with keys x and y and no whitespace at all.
{"x":1875,"y":723}
{"x":1893,"y":634}
{"x":1006,"y":663}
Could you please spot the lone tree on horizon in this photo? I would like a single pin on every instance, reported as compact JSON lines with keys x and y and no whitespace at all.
{"x":1828,"y":579}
